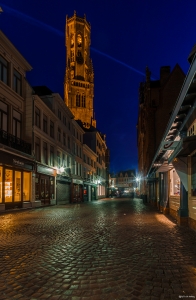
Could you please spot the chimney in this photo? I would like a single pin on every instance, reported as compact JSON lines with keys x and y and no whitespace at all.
{"x":164,"y":74}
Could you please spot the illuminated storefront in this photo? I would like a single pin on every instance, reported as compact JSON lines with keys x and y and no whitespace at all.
{"x":15,"y":180}
{"x":45,"y":185}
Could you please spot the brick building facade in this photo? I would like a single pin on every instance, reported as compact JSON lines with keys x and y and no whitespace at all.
{"x":156,"y":101}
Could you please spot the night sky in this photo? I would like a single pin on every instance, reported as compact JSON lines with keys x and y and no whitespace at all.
{"x":126,"y":36}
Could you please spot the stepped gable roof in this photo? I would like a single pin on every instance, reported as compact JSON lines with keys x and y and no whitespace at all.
{"x":42,"y":90}
{"x":130,"y":173}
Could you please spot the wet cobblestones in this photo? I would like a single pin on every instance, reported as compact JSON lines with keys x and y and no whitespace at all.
{"x":107,"y":249}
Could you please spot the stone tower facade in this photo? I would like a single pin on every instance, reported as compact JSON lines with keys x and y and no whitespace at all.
{"x":79,"y":75}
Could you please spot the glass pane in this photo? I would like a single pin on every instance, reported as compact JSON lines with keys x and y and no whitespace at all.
{"x":26,"y":186}
{"x":18,"y":129}
{"x":17,"y":186}
{"x":174,"y":183}
{"x":4,"y":125}
{"x":8,"y":185}
{"x":14,"y":127}
{"x":1,"y":170}
{"x":193,"y":176}
{"x":36,"y":188}
{"x":47,"y":190}
{"x":4,"y":75}
{"x":42,"y":188}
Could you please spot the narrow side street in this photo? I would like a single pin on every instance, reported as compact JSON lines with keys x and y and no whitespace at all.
{"x":106,"y":249}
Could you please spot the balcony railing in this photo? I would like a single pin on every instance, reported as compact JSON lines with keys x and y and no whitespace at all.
{"x":14,"y":142}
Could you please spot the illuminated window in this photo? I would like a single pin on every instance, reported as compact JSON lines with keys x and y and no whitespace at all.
{"x":3,"y":70}
{"x":17,"y":82}
{"x":26,"y":186}
{"x":17,"y":186}
{"x":174,"y":183}
{"x":8,"y":185}
{"x":1,"y":170}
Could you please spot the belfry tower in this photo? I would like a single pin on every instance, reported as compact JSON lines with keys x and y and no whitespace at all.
{"x":79,"y":74}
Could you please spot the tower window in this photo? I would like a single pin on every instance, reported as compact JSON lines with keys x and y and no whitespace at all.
{"x":83,"y":101}
{"x":72,"y":56}
{"x":79,"y":40}
{"x":78,"y":100}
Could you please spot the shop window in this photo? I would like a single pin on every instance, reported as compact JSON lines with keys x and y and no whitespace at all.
{"x":17,"y":186}
{"x":8,"y":185}
{"x":16,"y":124}
{"x":52,"y":129}
{"x":37,"y":148}
{"x":174,"y":183}
{"x":37,"y":186}
{"x":37,"y":117}
{"x":17,"y":82}
{"x":45,"y":124}
{"x":1,"y":170}
{"x":26,"y":186}
{"x":52,"y":156}
{"x":193,"y":175}
{"x":3,"y":70}
{"x":3,"y":116}
{"x":51,"y":188}
{"x":45,"y":153}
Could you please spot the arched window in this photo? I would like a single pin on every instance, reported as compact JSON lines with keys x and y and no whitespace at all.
{"x":83,"y":100}
{"x":78,"y":100}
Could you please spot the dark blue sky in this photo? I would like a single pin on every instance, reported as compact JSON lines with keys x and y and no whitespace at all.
{"x":126,"y":36}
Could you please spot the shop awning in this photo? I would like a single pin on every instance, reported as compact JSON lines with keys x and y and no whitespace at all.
{"x":188,"y":146}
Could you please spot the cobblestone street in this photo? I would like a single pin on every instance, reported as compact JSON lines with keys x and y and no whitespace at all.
{"x":106,"y":249}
